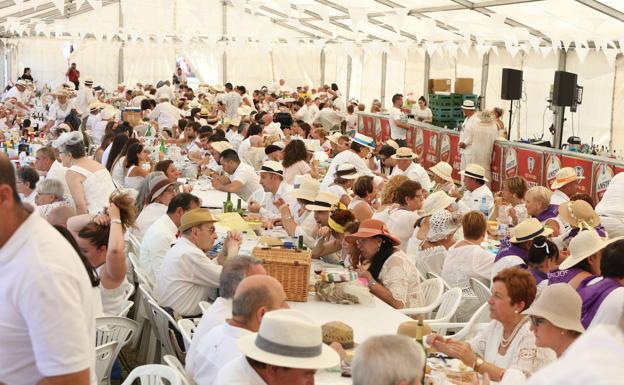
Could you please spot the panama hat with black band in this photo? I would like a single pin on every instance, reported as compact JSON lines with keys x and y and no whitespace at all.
{"x":474,"y":171}
{"x":323,"y":202}
{"x":272,"y":167}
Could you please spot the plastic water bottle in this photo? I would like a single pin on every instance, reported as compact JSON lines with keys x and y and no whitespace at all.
{"x":484,"y":208}
{"x":503,"y":222}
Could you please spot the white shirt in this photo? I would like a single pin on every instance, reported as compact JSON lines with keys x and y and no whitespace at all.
{"x":164,"y":92}
{"x":92,"y":119}
{"x":234,"y":138}
{"x":307,"y":113}
{"x":465,"y":262}
{"x":558,"y":197}
{"x":98,"y":130}
{"x":473,"y":199}
{"x":466,"y":135}
{"x":232,"y":101}
{"x":48,"y":307}
{"x":346,"y":156}
{"x":156,"y":243}
{"x":329,"y":118}
{"x":401,"y":223}
{"x":396,"y":132}
{"x":415,"y":172}
{"x":422,"y":115}
{"x":611,"y":309}
{"x":30,"y":198}
{"x":594,"y":358}
{"x":243,"y":147}
{"x":611,"y":203}
{"x":148,"y":215}
{"x":15,"y":93}
{"x":216,"y":314}
{"x":250,"y":180}
{"x":83,"y":99}
{"x":238,"y":372}
{"x":58,"y":113}
{"x":268,"y":209}
{"x":185,"y":276}
{"x":166,"y":115}
{"x":215,"y":350}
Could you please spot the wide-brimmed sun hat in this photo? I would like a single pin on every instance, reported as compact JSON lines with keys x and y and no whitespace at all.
{"x":347,"y":171}
{"x":221,"y":146}
{"x":288,"y":338}
{"x":443,"y":170}
{"x":364,"y":140}
{"x":404,"y":153}
{"x":194,"y":218}
{"x":305,"y":187}
{"x":157,"y":186}
{"x":334,"y":137}
{"x":323,"y":202}
{"x":474,"y":171}
{"x":561,"y":305}
{"x":579,"y":214}
{"x":564,"y":176}
{"x":528,"y":229}
{"x":583,"y":245}
{"x":437,"y":201}
{"x":442,"y":224}
{"x":374,"y":227}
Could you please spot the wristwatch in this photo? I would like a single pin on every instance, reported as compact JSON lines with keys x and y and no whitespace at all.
{"x":478,"y":363}
{"x":371,"y":283}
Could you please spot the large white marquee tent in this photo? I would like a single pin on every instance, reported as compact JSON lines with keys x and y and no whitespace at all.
{"x":370,"y":48}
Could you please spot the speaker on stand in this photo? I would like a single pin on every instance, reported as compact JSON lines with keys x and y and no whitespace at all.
{"x":565,"y":94}
{"x":511,"y":90}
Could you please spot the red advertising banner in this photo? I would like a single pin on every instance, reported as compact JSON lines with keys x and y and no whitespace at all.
{"x":449,"y":152}
{"x":383,"y":133}
{"x":583,"y":167}
{"x":525,"y":163}
{"x":431,"y":140}
{"x":419,"y":142}
{"x":368,"y":125}
{"x":496,"y":168}
{"x":552,"y":164}
{"x":603,"y":173}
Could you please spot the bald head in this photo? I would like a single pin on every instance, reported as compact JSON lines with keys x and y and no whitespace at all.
{"x":256,"y":295}
{"x":255,"y":141}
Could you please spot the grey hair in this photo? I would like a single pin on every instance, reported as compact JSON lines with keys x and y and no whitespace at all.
{"x":234,"y":271}
{"x":51,"y":186}
{"x":388,"y":360}
{"x":247,"y":302}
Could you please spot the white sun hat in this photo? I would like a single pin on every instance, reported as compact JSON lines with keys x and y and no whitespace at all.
{"x":323,"y":202}
{"x":564,"y":176}
{"x":528,"y":229}
{"x":443,"y":170}
{"x":404,"y":153}
{"x":583,"y":245}
{"x":437,"y":201}
{"x":272,"y":167}
{"x":305,"y":187}
{"x":288,"y":338}
{"x":347,"y":171}
{"x":364,"y":140}
{"x":561,"y":305}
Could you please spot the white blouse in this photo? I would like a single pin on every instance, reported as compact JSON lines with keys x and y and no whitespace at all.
{"x":399,"y":276}
{"x":431,"y":259}
{"x":465,"y":262}
{"x":522,"y":353}
{"x":401,"y":223}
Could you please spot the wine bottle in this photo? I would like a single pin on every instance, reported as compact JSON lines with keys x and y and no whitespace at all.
{"x":239,"y":208}
{"x":228,"y":207}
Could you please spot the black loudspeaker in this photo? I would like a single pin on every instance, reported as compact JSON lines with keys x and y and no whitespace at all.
{"x":564,"y":88}
{"x":512,"y":84}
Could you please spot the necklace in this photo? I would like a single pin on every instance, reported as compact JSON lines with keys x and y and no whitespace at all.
{"x":506,"y":341}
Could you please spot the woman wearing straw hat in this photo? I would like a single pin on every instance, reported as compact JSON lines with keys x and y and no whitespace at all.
{"x":514,"y":251}
{"x":391,"y":276}
{"x":579,"y":215}
{"x":60,"y":109}
{"x":507,"y":342}
{"x":345,"y":176}
{"x":443,"y":178}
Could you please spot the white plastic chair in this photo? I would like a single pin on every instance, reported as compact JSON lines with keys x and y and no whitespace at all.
{"x":153,"y":375}
{"x":187,"y":329}
{"x":128,"y":290}
{"x":432,"y":290}
{"x":204,"y":306}
{"x":134,"y":244}
{"x":481,"y":291}
{"x":126,"y":308}
{"x":421,"y":266}
{"x":448,"y":306}
{"x":104,"y":360}
{"x":161,"y":321}
{"x":177,"y":365}
{"x":431,"y":274}
{"x":479,"y":319}
{"x":115,"y":329}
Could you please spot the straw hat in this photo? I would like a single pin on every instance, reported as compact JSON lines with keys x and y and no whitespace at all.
{"x":157,"y":186}
{"x":232,"y":121}
{"x":94,"y":106}
{"x":364,"y":140}
{"x":221,"y":146}
{"x":244,"y":110}
{"x":468,"y":105}
{"x":307,"y":188}
{"x":272,"y":167}
{"x":323,"y":202}
{"x":194,"y":218}
{"x":443,"y":170}
{"x":347,"y":171}
{"x":61,"y":92}
{"x":437,"y":201}
{"x":274,"y":128}
{"x":392,"y":144}
{"x":565,"y":176}
{"x":485,"y":118}
{"x":474,"y":171}
{"x":442,"y":224}
{"x":404,"y":153}
{"x":561,"y":305}
{"x":334,"y":137}
{"x":584,"y":244}
{"x":373,"y":227}
{"x":64,"y":127}
{"x":288,"y":338}
{"x":529,"y":229}
{"x":579,"y":214}
{"x":88,"y":82}
{"x":218,"y":88}
{"x":108,"y":112}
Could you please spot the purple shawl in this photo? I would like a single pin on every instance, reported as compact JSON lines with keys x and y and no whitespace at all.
{"x":507,"y":248}
{"x":563,"y":276}
{"x":575,"y":230}
{"x":593,"y":296}
{"x":551,"y":212}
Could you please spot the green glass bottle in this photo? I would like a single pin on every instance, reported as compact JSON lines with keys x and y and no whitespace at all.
{"x":162,"y":146}
{"x":149,"y":130}
{"x":300,"y":244}
{"x":239,"y":208}
{"x":228,"y":207}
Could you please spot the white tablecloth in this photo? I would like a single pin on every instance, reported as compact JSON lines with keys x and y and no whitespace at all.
{"x":214,"y":198}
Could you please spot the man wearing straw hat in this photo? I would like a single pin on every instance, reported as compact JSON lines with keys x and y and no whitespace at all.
{"x":484,"y":133}
{"x":361,"y":146}
{"x":565,"y":185}
{"x":405,"y":165}
{"x":187,"y":274}
{"x":287,"y":349}
{"x":275,"y":188}
{"x":474,"y":181}
{"x":515,"y":251}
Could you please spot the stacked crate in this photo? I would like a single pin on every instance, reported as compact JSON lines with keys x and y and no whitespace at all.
{"x":446,"y":108}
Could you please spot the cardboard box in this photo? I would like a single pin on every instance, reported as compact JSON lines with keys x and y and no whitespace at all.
{"x":464,"y":85}
{"x":439,"y":85}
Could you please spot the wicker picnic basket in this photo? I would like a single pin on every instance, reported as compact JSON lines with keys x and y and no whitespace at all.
{"x":290,"y":267}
